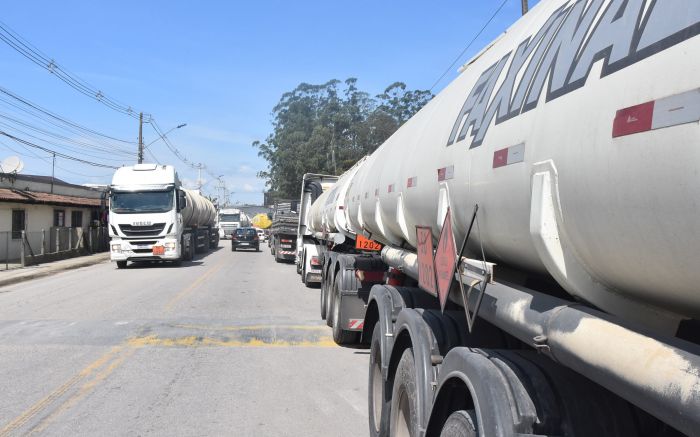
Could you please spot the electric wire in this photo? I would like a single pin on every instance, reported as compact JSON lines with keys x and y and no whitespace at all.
{"x":448,"y":69}
{"x":62,"y":155}
{"x":60,"y":146}
{"x":110,"y":152}
{"x":29,"y":51}
{"x":64,"y":120}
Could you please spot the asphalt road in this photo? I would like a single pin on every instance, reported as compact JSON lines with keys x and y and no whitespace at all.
{"x":229,"y":344}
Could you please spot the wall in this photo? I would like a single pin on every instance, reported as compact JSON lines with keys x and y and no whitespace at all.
{"x":37,"y":217}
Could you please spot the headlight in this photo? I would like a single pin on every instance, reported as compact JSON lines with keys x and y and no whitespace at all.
{"x":116,"y":248}
{"x":170,"y":246}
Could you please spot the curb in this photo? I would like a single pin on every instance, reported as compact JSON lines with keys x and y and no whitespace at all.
{"x":52,"y":270}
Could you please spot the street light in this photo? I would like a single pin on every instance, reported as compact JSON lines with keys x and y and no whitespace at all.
{"x":166,"y":134}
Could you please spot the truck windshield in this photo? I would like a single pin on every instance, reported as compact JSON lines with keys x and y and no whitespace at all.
{"x":230,"y":217}
{"x":143,"y":201}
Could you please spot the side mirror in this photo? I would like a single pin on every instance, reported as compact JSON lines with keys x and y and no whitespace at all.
{"x":181,"y":200}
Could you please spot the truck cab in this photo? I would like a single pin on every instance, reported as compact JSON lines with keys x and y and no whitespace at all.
{"x":145,"y":220}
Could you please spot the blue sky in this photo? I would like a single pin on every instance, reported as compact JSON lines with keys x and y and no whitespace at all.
{"x":221,"y":66}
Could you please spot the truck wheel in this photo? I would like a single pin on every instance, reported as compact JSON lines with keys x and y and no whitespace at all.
{"x":460,"y":424}
{"x":404,"y":414}
{"x":121,"y":264}
{"x":341,"y":336}
{"x":188,"y":254}
{"x":329,"y":301}
{"x":379,"y":403}
{"x":324,"y":296}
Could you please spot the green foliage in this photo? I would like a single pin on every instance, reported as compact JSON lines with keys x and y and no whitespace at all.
{"x":327,"y":128}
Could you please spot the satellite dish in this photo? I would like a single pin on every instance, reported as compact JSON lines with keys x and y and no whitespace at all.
{"x":11,"y":164}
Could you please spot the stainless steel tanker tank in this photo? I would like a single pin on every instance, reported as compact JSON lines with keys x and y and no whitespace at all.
{"x":199,"y":210}
{"x":576,"y":132}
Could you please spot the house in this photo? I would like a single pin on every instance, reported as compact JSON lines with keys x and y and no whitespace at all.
{"x":54,"y":214}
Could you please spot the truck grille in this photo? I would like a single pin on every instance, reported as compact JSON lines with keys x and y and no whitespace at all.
{"x":142,"y":231}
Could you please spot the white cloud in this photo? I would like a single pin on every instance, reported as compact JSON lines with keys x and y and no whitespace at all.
{"x":248,"y":188}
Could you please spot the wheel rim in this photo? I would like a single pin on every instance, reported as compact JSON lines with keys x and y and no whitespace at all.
{"x":402,"y":417}
{"x":377,"y":398}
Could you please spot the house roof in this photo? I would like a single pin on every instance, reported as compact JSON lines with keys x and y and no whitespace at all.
{"x":12,"y":195}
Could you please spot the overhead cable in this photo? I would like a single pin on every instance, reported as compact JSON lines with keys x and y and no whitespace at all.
{"x":29,"y":51}
{"x":448,"y":69}
{"x":62,"y":155}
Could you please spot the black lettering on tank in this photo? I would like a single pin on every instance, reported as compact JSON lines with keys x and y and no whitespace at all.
{"x":501,"y":105}
{"x":561,"y":53}
{"x":611,"y":40}
{"x":481,"y":91}
{"x":623,"y":35}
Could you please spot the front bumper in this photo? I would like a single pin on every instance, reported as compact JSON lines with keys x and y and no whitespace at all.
{"x":135,"y":250}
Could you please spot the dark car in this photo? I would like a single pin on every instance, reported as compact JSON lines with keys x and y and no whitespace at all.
{"x":245,"y":238}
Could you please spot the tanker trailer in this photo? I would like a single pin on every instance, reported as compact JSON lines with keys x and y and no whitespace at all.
{"x":152,"y":218}
{"x":199,"y":217}
{"x":538,"y":222}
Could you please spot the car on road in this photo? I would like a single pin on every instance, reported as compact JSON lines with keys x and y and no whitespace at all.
{"x":245,"y":238}
{"x":261,"y":234}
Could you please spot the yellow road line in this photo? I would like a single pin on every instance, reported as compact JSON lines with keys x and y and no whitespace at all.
{"x":84,"y":390}
{"x":39,"y":406}
{"x":254,"y":327}
{"x":194,"y":341}
{"x":169,"y":306}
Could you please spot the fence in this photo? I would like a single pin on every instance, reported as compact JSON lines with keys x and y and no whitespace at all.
{"x":19,"y":249}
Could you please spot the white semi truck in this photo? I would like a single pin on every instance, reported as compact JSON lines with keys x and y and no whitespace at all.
{"x":539,"y":235}
{"x":231,"y":219}
{"x":152,"y":218}
{"x":308,"y":260}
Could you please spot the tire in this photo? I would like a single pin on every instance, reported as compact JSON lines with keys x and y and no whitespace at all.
{"x":257,"y":248}
{"x":188,"y":254}
{"x":461,"y":423}
{"x":329,"y":301}
{"x":379,"y":404}
{"x":404,"y":408}
{"x":341,"y":336}
{"x":121,"y":264}
{"x":324,"y":296}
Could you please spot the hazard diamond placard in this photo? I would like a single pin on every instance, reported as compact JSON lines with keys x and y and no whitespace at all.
{"x":445,"y":257}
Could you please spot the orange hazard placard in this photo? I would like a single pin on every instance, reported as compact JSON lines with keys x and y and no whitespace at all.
{"x":445,"y":257}
{"x":364,"y":243}
{"x":426,"y":266}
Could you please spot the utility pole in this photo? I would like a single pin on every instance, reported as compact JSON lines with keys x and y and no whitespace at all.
{"x":53,"y":166}
{"x":199,"y":176}
{"x":140,"y":154}
{"x":524,"y":5}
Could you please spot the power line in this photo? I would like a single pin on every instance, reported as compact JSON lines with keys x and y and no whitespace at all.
{"x":60,"y":137}
{"x":57,"y":117}
{"x":62,"y":155}
{"x":29,"y":51}
{"x":447,"y":70}
{"x":61,"y":146}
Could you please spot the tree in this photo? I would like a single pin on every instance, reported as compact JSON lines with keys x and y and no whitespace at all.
{"x":326,"y":128}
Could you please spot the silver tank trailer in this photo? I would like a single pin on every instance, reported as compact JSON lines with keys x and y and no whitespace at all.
{"x":199,"y":211}
{"x":593,"y":181}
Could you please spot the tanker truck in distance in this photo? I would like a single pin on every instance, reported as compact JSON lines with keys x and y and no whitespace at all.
{"x":522,"y":256}
{"x":152,"y":218}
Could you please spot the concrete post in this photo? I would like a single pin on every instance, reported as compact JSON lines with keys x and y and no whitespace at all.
{"x":7,"y":250}
{"x":58,"y":240}
{"x":89,"y":240}
{"x":43,"y":241}
{"x":21,"y":248}
{"x":70,"y":239}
